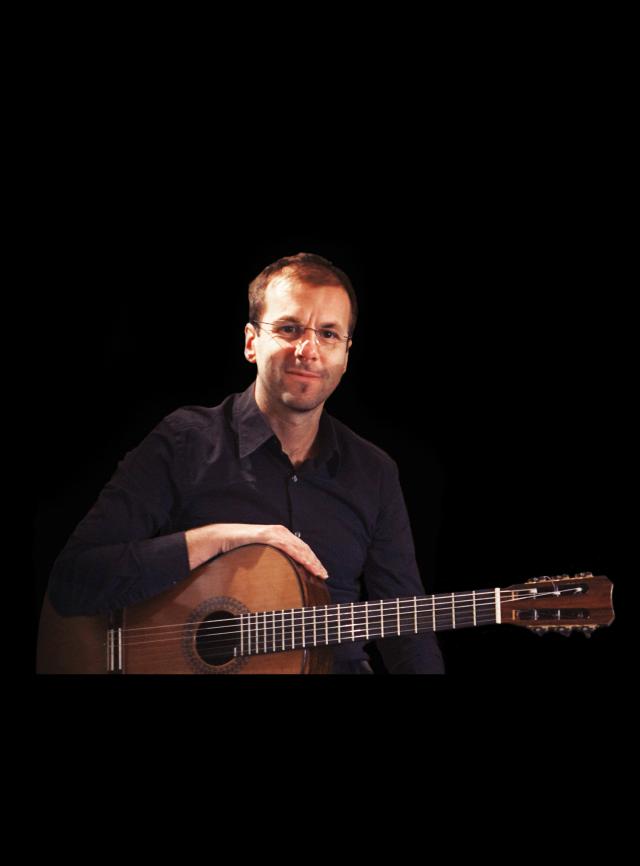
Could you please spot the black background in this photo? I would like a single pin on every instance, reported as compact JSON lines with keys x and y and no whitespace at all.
{"x":489,"y":361}
{"x":492,"y":357}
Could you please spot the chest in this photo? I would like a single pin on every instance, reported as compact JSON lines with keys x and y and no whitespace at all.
{"x":336,"y":519}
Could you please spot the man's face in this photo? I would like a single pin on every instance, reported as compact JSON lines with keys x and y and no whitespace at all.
{"x":282,"y":366}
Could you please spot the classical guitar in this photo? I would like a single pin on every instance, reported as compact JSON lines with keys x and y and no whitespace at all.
{"x":256,"y":611}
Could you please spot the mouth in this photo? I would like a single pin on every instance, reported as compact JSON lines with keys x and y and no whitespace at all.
{"x":302,"y":374}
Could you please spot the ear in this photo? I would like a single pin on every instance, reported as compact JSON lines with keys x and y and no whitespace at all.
{"x":249,"y":340}
{"x":346,"y":357}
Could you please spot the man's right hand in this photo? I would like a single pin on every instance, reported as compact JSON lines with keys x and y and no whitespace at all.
{"x":208,"y":541}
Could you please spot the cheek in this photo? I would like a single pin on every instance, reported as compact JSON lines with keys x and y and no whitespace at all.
{"x":273,"y":361}
{"x":337,"y":372}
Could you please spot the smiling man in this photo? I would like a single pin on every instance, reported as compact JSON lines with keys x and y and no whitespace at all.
{"x":301,"y":356}
{"x":268,"y":466}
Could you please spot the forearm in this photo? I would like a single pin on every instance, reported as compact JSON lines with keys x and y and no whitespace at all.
{"x":208,"y":541}
{"x":94,"y":578}
{"x":89,"y":577}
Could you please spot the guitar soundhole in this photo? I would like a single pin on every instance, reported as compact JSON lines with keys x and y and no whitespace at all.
{"x":216,"y":638}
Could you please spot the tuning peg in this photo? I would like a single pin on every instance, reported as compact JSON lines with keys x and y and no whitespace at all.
{"x":539,"y":631}
{"x":565,"y":632}
{"x":587,"y":632}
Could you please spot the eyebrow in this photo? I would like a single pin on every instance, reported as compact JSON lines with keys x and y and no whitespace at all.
{"x":295,"y":321}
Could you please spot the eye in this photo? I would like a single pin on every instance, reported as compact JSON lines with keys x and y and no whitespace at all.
{"x":289,"y":329}
{"x":329,"y":335}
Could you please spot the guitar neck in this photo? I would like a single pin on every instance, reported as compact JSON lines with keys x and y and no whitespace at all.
{"x":328,"y":625}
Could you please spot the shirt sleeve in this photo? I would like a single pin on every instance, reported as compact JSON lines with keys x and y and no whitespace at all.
{"x":391,"y":571}
{"x":119,"y":553}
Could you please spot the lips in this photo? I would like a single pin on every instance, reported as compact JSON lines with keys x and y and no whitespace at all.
{"x":303,"y":374}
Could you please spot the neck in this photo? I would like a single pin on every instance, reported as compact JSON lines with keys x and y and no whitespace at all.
{"x":330,"y":624}
{"x":296,"y":431}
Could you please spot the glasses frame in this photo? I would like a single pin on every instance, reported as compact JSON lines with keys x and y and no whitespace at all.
{"x":304,"y":328}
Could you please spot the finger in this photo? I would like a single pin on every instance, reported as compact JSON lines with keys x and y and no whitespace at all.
{"x":310,"y":562}
{"x":302,"y":553}
{"x":317,"y":568}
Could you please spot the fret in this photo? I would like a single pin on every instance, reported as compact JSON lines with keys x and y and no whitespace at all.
{"x":326,"y":624}
{"x":293,"y":630}
{"x":474,"y":607}
{"x":381,"y":619}
{"x":453,"y":608}
{"x":498,"y":609}
{"x":273,"y":617}
{"x":415,"y":614}
{"x":265,"y":630}
{"x":282,"y":618}
{"x":339,"y":640}
{"x":398,"y":613}
{"x":366,"y":619}
{"x":241,"y":634}
{"x":353,"y":625}
{"x":315,"y":640}
{"x":433,"y":611}
{"x":304,"y":632}
{"x":257,"y":636}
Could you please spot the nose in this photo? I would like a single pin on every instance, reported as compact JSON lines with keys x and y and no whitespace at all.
{"x":307,"y":348}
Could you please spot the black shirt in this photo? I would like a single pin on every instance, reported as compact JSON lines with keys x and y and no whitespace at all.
{"x":224,"y":464}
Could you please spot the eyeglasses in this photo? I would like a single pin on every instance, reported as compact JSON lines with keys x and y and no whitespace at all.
{"x":291,"y":333}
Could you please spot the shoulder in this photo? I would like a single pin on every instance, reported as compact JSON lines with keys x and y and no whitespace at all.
{"x":365,"y":453}
{"x":188,"y":419}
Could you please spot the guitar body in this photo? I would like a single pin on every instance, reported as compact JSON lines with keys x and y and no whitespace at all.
{"x":169,"y":633}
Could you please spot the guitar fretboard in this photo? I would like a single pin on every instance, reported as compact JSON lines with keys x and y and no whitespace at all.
{"x":296,"y":628}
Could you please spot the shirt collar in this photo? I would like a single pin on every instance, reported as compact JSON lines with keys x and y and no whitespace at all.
{"x":254,"y":429}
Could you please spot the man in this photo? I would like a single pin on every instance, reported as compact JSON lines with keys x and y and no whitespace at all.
{"x":267,"y":466}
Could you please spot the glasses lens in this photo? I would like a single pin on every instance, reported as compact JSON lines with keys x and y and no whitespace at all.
{"x":292,"y":333}
{"x":289,"y":332}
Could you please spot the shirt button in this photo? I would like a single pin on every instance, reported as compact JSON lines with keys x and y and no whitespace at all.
{"x":298,"y":534}
{"x":294,"y":478}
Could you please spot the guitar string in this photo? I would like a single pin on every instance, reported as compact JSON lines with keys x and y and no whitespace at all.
{"x":331,"y":617}
{"x":305,"y":616}
{"x":332,"y":629}
{"x":347,"y":624}
{"x":442,"y":600}
{"x":172,"y":647}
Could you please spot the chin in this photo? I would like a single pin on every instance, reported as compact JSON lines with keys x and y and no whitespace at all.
{"x":300,"y":404}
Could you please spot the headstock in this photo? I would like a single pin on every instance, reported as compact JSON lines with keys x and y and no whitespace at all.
{"x":559,"y":604}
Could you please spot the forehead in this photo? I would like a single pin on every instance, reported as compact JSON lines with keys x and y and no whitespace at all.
{"x":295,"y":297}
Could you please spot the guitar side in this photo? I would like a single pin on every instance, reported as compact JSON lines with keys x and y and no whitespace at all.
{"x":71,"y":644}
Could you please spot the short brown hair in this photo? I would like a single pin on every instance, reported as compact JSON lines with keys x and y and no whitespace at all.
{"x":308,"y":267}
